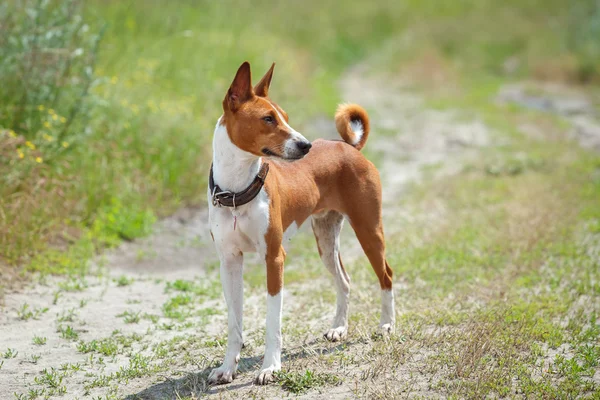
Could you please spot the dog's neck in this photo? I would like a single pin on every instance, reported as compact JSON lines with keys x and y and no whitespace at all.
{"x":233,"y":168}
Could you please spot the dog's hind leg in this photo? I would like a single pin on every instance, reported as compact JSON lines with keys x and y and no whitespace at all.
{"x":369,"y":230}
{"x":327,"y":227}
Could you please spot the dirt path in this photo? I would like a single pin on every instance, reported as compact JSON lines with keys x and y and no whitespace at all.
{"x":151,"y":322}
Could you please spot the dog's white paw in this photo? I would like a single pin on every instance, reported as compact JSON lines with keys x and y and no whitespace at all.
{"x":336,"y":334}
{"x":221,"y":375}
{"x":386,"y":329}
{"x":266,"y":376}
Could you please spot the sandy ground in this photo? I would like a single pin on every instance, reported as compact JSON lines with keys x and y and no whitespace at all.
{"x":125,"y":303}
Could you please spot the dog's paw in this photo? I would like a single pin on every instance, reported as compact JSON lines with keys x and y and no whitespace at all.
{"x":386,"y":329}
{"x":266,"y":376}
{"x":336,"y":334}
{"x":221,"y":375}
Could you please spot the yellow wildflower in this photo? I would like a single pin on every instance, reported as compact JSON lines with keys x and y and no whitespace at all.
{"x":48,"y":138}
{"x":114,"y":80}
{"x":135,"y":109}
{"x":47,"y":125}
{"x":124,"y":103}
{"x":127,"y":125}
{"x":30,"y":145}
{"x":63,"y":119}
{"x":51,"y":111}
{"x":41,"y":107}
{"x":20,"y":153}
{"x":12,"y":133}
{"x":65,"y":144}
{"x":55,"y":117}
{"x":39,"y":160}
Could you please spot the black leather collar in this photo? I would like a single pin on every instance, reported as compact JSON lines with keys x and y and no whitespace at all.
{"x":229,"y":199}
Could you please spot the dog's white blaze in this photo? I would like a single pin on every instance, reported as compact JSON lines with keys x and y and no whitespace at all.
{"x":357,"y":128}
{"x":272,"y":361}
{"x":233,"y":168}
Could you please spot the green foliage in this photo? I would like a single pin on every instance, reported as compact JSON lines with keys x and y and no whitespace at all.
{"x":107,"y":149}
{"x":25,"y":313}
{"x":10,"y":353}
{"x":296,"y":382}
{"x":39,"y":340}
{"x":47,"y":56}
{"x":67,"y":332}
{"x":115,"y":222}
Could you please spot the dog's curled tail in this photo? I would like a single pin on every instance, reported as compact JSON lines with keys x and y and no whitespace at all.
{"x":352,"y":123}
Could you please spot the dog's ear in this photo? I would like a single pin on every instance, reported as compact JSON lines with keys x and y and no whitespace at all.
{"x":241,"y":87}
{"x":262,"y":88}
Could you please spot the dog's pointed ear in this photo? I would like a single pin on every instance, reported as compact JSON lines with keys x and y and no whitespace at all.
{"x":241,"y":87}
{"x":262,"y":88}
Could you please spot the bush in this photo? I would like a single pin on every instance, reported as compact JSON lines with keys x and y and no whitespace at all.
{"x":583,"y":37}
{"x":47,"y":57}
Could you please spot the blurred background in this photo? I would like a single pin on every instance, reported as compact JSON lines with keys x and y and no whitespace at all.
{"x":107,"y":107}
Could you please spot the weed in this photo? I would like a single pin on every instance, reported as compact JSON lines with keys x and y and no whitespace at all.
{"x":130,"y":317}
{"x":10,"y":353}
{"x":296,"y":382}
{"x":67,"y":332}
{"x":24,"y":313}
{"x":74,"y":284}
{"x":67,"y":316}
{"x":124,"y":281}
{"x":35,"y":358}
{"x":177,"y":307}
{"x":39,"y":340}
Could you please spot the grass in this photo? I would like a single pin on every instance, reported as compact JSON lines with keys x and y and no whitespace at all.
{"x":25,"y":313}
{"x":298,"y":383}
{"x":39,"y":340}
{"x":130,"y":317}
{"x":67,"y":332}
{"x":10,"y":353}
{"x":148,"y":114}
{"x":496,"y":266}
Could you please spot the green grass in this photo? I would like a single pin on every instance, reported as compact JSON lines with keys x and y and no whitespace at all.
{"x":496,"y":291}
{"x":39,"y":340}
{"x":25,"y":312}
{"x":298,"y":383}
{"x":68,"y":332}
{"x":504,"y":264}
{"x":130,"y":317}
{"x":160,"y":75}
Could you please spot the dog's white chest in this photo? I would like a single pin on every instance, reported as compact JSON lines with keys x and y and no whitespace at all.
{"x":242,"y":228}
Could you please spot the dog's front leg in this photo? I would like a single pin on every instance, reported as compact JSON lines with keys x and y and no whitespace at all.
{"x":233,"y":288}
{"x":272,"y":361}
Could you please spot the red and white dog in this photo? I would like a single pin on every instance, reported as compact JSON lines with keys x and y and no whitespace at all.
{"x":257,"y":197}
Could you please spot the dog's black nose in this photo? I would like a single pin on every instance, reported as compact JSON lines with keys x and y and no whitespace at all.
{"x":304,"y":147}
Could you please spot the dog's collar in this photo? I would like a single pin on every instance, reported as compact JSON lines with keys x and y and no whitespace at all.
{"x":229,"y":199}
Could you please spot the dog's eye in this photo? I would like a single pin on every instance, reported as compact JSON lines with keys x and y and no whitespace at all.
{"x":268,"y":119}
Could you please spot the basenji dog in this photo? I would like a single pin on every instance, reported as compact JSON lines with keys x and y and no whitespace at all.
{"x":265,"y":181}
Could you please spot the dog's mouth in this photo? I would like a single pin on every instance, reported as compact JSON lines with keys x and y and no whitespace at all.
{"x":271,"y":153}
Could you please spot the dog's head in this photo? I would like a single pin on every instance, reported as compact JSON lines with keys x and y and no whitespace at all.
{"x":255,"y":123}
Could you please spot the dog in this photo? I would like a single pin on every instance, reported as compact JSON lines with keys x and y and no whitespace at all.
{"x":265,"y":181}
